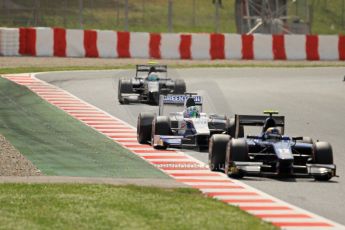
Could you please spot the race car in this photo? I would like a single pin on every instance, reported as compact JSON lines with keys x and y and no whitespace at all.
{"x":270,"y":153}
{"x":149,"y":83}
{"x":187,"y":128}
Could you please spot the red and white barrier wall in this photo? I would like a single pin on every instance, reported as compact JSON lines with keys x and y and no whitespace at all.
{"x":112,"y":44}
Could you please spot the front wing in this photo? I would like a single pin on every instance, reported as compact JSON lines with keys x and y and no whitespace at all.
{"x":180,"y":141}
{"x":163,"y":141}
{"x":254,"y":168}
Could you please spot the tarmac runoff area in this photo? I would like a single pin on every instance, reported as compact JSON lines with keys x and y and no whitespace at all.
{"x":312,"y":99}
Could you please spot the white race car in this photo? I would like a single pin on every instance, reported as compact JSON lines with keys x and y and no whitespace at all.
{"x":149,"y":83}
{"x":188,"y":128}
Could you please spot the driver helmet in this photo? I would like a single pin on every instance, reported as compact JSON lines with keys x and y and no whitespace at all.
{"x":192,"y":112}
{"x":272,"y":133}
{"x":152,"y":77}
{"x":152,"y":69}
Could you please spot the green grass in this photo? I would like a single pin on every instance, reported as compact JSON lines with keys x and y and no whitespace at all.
{"x":58,"y":144}
{"x":13,"y":70}
{"x":328,"y":17}
{"x":116,"y":207}
{"x":268,"y":64}
{"x":151,"y":15}
{"x":105,"y":14}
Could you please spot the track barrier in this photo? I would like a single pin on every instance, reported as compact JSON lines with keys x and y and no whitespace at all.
{"x":59,"y":42}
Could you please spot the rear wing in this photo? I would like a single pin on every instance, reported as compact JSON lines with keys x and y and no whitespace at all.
{"x":256,"y":120}
{"x":146,"y":68}
{"x":173,"y":99}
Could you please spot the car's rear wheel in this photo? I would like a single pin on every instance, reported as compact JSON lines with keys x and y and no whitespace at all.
{"x":144,"y":127}
{"x":323,"y":154}
{"x":232,"y":129}
{"x":180,"y":86}
{"x":124,"y":86}
{"x":161,"y":126}
{"x":217,"y":151}
{"x":236,"y":151}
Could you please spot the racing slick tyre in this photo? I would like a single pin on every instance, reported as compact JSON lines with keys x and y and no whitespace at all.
{"x":160,"y":126}
{"x":323,"y":154}
{"x":180,"y":86}
{"x":144,"y":126}
{"x":124,"y":86}
{"x":236,"y":150}
{"x":232,"y":129}
{"x":217,"y":151}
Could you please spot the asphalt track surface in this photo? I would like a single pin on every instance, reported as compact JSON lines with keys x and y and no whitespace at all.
{"x":312,"y":99}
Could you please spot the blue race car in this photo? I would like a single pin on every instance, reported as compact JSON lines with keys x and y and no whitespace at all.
{"x":270,"y":152}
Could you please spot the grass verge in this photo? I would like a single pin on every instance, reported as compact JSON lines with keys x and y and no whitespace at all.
{"x":245,"y":64}
{"x":64,"y":206}
{"x":187,"y":15}
{"x":60,"y":145}
{"x":15,"y":70}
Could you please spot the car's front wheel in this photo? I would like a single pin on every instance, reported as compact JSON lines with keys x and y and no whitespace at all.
{"x":217,"y":151}
{"x":124,"y":86}
{"x":144,"y":125}
{"x":236,"y":151}
{"x":323,"y":154}
{"x":161,"y":126}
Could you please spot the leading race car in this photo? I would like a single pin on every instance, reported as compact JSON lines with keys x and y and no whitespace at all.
{"x":149,"y":83}
{"x":188,"y":128}
{"x":270,"y":152}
